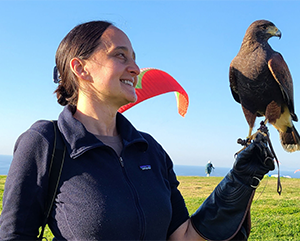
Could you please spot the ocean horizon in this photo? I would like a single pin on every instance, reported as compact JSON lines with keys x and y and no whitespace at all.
{"x":180,"y":170}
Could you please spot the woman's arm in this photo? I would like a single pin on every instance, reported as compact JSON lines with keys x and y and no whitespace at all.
{"x":186,"y":232}
{"x":26,"y":187}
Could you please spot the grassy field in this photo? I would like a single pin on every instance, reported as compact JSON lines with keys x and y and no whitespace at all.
{"x":274,"y":217}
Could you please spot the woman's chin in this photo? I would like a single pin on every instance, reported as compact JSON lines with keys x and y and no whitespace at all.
{"x":132,"y":99}
{"x":129,"y":100}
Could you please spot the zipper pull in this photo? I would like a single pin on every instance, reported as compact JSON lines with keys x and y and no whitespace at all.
{"x":121,"y":161}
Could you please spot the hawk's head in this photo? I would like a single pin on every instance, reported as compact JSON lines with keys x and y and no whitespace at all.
{"x":261,"y":31}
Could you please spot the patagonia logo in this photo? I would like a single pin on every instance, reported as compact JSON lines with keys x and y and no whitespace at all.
{"x":145,"y":167}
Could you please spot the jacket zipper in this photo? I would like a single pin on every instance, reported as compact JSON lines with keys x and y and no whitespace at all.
{"x":121,"y":161}
{"x":138,"y":206}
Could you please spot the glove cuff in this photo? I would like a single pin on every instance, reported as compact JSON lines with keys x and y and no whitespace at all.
{"x":224,"y":212}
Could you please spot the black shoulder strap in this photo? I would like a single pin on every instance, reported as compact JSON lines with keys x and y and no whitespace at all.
{"x":56,"y":165}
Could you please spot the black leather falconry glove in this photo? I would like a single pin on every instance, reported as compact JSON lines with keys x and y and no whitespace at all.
{"x":225,"y":214}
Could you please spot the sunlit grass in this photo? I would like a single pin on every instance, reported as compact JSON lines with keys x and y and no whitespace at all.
{"x":274,"y":217}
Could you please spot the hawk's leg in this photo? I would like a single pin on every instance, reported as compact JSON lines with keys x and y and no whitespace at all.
{"x":262,"y":129}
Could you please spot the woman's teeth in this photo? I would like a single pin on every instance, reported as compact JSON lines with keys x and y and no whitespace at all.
{"x":127,"y":82}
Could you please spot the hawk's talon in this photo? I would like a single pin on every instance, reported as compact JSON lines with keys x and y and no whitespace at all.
{"x":263,"y":128}
{"x":242,"y":142}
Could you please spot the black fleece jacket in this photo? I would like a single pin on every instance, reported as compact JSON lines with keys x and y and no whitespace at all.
{"x":101,"y":196}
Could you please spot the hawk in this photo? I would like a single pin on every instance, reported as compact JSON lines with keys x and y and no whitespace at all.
{"x":261,"y":82}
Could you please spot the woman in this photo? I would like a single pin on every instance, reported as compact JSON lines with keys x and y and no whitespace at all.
{"x":105,"y":193}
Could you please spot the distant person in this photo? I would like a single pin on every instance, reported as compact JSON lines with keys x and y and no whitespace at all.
{"x":117,"y":183}
{"x":208,"y":168}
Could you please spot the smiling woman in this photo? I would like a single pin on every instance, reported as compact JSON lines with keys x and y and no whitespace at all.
{"x":109,"y":75}
{"x":117,"y":183}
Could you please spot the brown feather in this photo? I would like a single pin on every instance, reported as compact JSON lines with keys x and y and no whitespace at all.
{"x":273,"y":112}
{"x":262,"y":83}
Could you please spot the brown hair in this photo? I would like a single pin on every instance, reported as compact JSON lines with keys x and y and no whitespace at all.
{"x":80,"y":42}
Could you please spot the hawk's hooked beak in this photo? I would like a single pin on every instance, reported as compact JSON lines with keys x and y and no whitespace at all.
{"x":274,"y":31}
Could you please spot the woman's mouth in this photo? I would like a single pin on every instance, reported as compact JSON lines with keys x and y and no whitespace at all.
{"x":127,"y":82}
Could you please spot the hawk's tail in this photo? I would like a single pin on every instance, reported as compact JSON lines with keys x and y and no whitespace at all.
{"x":290,"y":139}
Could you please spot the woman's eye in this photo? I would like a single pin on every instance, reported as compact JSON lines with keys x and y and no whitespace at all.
{"x":121,"y":55}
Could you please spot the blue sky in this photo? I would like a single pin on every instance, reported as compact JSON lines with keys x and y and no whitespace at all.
{"x":194,"y":41}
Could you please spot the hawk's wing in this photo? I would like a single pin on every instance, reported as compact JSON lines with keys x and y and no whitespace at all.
{"x":233,"y":84}
{"x":282,"y":75}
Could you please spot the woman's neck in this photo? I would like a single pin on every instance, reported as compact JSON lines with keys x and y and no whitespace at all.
{"x":97,"y":118}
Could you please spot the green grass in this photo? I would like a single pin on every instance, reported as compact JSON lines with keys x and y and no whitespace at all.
{"x":274,"y":217}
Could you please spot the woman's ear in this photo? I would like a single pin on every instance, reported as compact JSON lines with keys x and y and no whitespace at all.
{"x":78,"y":68}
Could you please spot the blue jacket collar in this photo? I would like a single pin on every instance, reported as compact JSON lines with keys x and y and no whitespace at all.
{"x":78,"y":140}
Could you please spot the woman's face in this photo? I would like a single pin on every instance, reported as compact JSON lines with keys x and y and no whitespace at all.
{"x":113,"y":70}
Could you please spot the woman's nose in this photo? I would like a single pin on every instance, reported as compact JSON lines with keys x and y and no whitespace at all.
{"x":134,"y":68}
